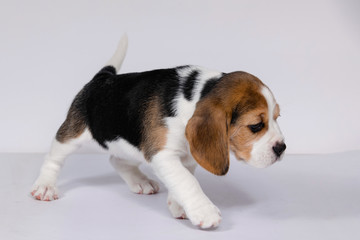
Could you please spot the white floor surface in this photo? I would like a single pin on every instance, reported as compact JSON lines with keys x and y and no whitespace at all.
{"x":301,"y":197}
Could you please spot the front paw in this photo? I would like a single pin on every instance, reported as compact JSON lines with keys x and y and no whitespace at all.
{"x":45,"y":192}
{"x":206,"y":216}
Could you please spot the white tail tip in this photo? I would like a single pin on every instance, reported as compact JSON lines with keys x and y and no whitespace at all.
{"x":117,"y":59}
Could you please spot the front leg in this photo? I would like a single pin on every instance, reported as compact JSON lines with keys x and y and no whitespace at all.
{"x":184,"y":187}
{"x":176,"y":210}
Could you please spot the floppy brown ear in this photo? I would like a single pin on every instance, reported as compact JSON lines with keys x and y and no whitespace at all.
{"x":207,"y":134}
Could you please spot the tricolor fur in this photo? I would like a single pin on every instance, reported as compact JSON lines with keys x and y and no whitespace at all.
{"x":173,"y":119}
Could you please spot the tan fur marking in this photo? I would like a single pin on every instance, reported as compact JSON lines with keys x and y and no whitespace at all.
{"x":154,"y":130}
{"x":209,"y":132}
{"x":242,"y":138}
{"x":276,"y":111}
{"x":73,"y":126}
{"x":245,"y":89}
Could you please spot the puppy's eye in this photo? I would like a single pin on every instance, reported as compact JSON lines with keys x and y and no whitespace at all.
{"x":257,"y":127}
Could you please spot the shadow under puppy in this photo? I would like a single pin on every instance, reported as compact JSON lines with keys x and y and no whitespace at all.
{"x":172,"y":119}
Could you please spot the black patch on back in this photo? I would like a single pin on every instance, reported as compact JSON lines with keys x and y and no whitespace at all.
{"x":189,"y":85}
{"x":209,"y":85}
{"x":108,"y":70}
{"x":114,"y":105}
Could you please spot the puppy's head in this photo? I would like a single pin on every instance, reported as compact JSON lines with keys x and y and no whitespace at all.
{"x":238,"y":114}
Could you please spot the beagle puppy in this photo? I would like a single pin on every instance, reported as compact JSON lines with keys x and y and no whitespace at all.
{"x":173,"y":119}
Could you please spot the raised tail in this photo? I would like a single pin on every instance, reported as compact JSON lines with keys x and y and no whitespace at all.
{"x":117,"y":59}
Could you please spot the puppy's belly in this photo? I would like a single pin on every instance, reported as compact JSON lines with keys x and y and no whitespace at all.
{"x":124,"y":150}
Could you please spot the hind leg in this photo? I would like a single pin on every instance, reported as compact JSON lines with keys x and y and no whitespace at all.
{"x":134,"y":178}
{"x":44,"y":187}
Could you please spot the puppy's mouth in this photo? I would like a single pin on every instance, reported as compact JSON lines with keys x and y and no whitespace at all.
{"x":278,"y":159}
{"x":258,"y":163}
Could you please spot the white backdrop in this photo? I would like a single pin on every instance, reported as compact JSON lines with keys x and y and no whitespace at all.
{"x":307,"y":52}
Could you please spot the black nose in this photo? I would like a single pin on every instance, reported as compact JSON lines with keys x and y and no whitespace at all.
{"x":279,"y":148}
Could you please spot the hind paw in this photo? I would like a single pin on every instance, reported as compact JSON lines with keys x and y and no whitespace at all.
{"x":145,"y":186}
